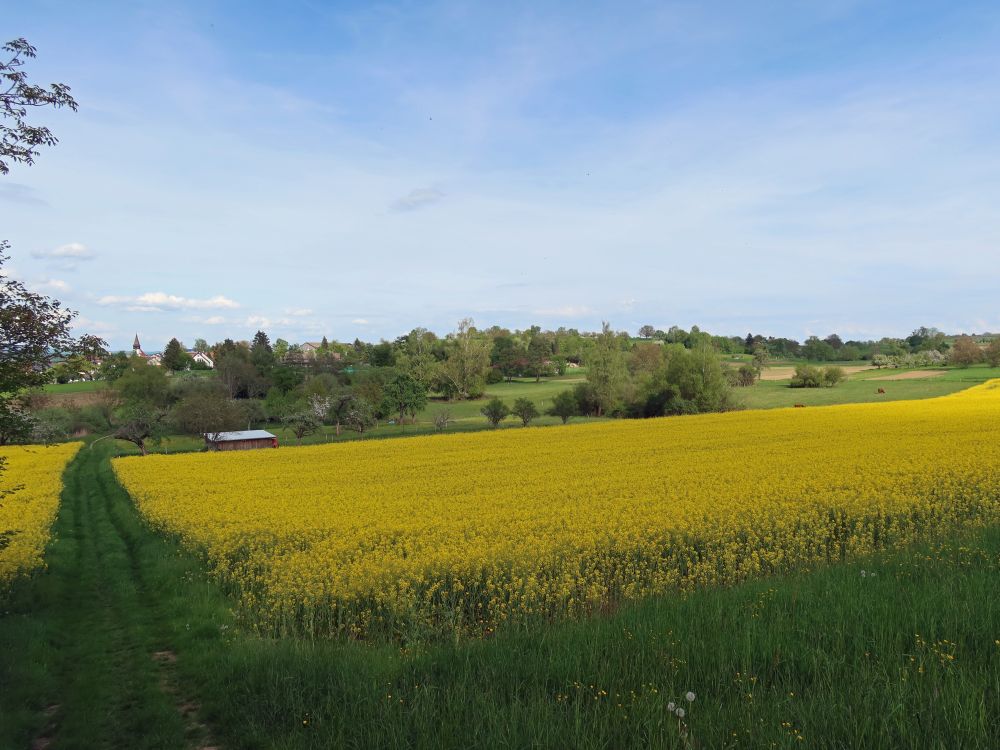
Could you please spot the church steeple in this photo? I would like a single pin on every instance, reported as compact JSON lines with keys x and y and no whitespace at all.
{"x":136,"y":348}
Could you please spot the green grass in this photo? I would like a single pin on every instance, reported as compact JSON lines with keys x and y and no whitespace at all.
{"x":84,"y":386}
{"x":861,"y":388}
{"x":831,"y":655}
{"x":541,"y":393}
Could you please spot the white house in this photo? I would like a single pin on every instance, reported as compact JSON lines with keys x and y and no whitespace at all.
{"x":201,"y":358}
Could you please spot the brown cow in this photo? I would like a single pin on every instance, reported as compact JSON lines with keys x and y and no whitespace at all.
{"x":800,"y":406}
{"x":881,"y":390}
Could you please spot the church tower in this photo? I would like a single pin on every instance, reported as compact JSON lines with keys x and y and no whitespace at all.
{"x":136,"y":348}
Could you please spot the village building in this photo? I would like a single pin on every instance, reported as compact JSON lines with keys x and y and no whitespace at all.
{"x":201,"y":358}
{"x":157,"y":359}
{"x":240,"y":440}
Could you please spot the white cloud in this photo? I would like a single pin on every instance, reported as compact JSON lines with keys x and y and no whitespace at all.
{"x":50,"y":285}
{"x":299,"y":312}
{"x":415,"y":199}
{"x":74,"y":251}
{"x":87,"y":325}
{"x":160,"y":302}
{"x":360,"y":322}
{"x":214,"y":320}
{"x":258,"y":320}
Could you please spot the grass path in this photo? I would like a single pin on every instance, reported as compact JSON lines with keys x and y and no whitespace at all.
{"x":88,"y":641}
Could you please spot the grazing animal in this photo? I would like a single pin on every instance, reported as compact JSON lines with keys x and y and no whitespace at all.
{"x":881,"y":390}
{"x":800,"y":406}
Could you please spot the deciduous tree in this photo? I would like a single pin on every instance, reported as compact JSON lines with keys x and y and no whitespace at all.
{"x":607,"y":371}
{"x":495,"y":411}
{"x":525,"y":410}
{"x":965,"y":352}
{"x":564,"y":406}
{"x":404,"y":395}
{"x":20,"y":140}
{"x":992,"y":353}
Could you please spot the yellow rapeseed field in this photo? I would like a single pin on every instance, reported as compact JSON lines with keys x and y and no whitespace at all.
{"x":26,"y":515}
{"x":463,"y":532}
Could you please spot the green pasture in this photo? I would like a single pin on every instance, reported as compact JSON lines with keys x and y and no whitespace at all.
{"x":83,"y":386}
{"x":862,"y":387}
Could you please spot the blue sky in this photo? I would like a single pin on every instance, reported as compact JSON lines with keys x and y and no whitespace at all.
{"x":359,"y":169}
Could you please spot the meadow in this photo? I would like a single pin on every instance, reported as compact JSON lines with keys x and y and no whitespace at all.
{"x":463,"y":534}
{"x":863,"y":387}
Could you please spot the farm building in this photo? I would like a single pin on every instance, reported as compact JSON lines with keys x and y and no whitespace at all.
{"x":240,"y":441}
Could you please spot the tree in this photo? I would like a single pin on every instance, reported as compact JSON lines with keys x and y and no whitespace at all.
{"x":746,"y":375}
{"x":301,"y":424}
{"x":691,"y":382}
{"x":564,"y":406}
{"x":806,"y":376}
{"x":360,"y":416}
{"x":280,"y":350}
{"x":19,"y":141}
{"x":113,"y":367}
{"x":238,"y":374}
{"x":200,"y":345}
{"x":539,"y":351}
{"x":647,"y":332}
{"x":607,"y":371}
{"x":261,"y":354}
{"x":140,"y":423}
{"x":507,"y":357}
{"x":143,"y":383}
{"x":495,"y":411}
{"x":817,"y":350}
{"x":319,"y":406}
{"x":760,"y":358}
{"x":992,"y":353}
{"x":204,"y":408}
{"x":881,"y":360}
{"x":645,"y":358}
{"x":174,"y":357}
{"x":34,"y":331}
{"x":404,"y":395}
{"x":965,"y":352}
{"x":525,"y":410}
{"x":833,"y":375}
{"x":442,"y":419}
{"x":251,"y":410}
{"x":463,"y":373}
{"x":340,"y":408}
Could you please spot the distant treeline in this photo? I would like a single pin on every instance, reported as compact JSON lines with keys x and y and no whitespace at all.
{"x":357,"y":385}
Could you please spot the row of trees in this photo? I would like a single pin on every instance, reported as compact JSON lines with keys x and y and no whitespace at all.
{"x":829,"y":349}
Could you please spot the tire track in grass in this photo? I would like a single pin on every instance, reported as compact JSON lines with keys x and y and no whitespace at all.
{"x":109,"y":685}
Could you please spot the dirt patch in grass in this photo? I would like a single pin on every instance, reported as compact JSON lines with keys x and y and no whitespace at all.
{"x":911,"y":375}
{"x":785,"y":373}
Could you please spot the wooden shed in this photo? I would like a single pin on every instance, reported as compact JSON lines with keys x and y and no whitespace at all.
{"x":242,"y":440}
